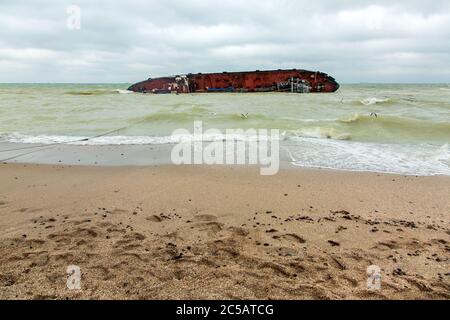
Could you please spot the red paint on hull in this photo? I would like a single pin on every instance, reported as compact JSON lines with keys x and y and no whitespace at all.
{"x":300,"y":81}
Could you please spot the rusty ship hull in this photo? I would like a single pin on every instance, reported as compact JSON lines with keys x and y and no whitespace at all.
{"x":295,"y":81}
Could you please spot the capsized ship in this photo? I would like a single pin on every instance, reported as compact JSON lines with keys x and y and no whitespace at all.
{"x":295,"y":81}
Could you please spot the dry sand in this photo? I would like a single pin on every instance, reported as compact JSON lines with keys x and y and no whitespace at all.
{"x":167,"y":232}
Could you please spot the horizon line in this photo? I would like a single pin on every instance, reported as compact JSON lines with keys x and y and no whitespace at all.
{"x":342,"y":83}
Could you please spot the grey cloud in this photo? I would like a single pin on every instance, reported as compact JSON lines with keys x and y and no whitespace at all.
{"x":126,"y":41}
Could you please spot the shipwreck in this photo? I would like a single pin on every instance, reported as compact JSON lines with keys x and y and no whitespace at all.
{"x":294,"y":81}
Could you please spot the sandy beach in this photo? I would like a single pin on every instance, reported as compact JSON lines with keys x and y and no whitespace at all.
{"x":166,"y":232}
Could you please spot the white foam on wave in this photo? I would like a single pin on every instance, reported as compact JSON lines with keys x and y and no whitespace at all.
{"x":132,"y":140}
{"x":372,"y":101}
{"x":322,"y":133}
{"x":408,"y":159}
{"x":121,"y":91}
{"x":422,"y":159}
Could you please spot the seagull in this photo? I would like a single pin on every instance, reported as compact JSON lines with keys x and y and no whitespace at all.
{"x":373,"y":114}
{"x":245,"y":116}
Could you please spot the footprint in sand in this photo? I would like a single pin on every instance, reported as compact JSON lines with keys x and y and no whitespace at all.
{"x":334,"y":243}
{"x":154,"y":218}
{"x":338,"y":263}
{"x":7,"y":280}
{"x":60,"y":238}
{"x":294,"y":237}
{"x":33,"y":210}
{"x":286,"y":252}
{"x":387,"y":244}
{"x":40,"y":260}
{"x":353,"y":282}
{"x":76,"y":223}
{"x":213,"y":227}
{"x":130,"y":241}
{"x":204,"y":217}
{"x":86,"y":233}
{"x":114,"y":229}
{"x":279,"y":270}
{"x":67,"y":238}
{"x":208,"y":223}
{"x":138,"y":236}
{"x":238,"y":231}
{"x":66,"y":257}
{"x":118,"y":211}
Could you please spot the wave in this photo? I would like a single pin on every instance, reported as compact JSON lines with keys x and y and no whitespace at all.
{"x":407,"y":159}
{"x":121,"y":91}
{"x":394,"y":128}
{"x":357,"y":127}
{"x":88,"y":93}
{"x":134,"y":140}
{"x":322,"y":133}
{"x":394,"y":121}
{"x":197,"y":113}
{"x":375,"y":127}
{"x":372,"y":101}
{"x":97,"y":92}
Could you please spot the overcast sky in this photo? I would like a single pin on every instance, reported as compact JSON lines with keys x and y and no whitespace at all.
{"x":127,"y":41}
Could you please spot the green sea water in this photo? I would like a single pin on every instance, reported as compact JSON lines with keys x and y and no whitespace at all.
{"x":388,"y":128}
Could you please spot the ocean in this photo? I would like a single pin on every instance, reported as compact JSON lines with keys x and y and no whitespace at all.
{"x":391,"y":128}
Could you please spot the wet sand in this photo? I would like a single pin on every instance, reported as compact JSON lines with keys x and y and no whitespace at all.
{"x":165,"y":232}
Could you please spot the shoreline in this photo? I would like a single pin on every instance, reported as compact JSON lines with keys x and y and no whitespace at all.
{"x":218,"y":232}
{"x":136,"y":155}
